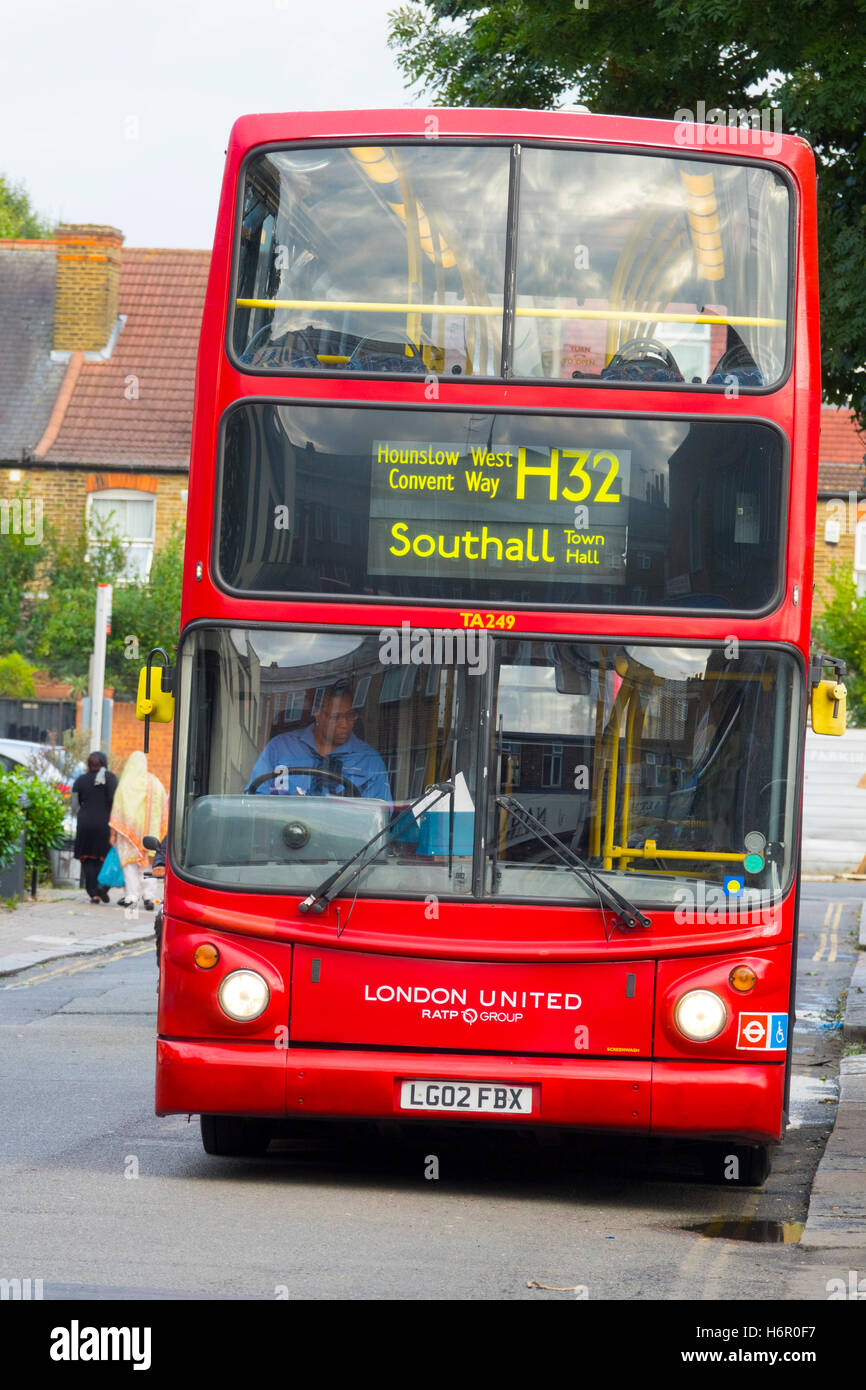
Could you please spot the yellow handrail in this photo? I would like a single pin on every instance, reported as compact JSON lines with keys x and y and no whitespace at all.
{"x":597,"y":765}
{"x":522,"y":312}
{"x":651,"y":851}
{"x":611,"y":765}
{"x":634,"y":708}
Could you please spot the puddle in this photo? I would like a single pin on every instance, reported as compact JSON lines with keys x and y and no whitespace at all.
{"x":760,"y":1232}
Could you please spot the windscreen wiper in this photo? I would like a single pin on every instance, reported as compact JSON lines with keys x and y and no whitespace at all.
{"x":318,"y":900}
{"x":629,"y":916}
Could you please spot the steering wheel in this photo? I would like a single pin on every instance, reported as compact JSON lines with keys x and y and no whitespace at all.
{"x":643,"y":359}
{"x":261,"y":345}
{"x":388,"y":360}
{"x":339,"y":777}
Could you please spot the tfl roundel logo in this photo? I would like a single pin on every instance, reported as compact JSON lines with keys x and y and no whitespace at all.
{"x":763,"y":1032}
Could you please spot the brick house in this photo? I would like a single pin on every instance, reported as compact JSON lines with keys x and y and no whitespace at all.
{"x":97,"y":368}
{"x":840,"y":527}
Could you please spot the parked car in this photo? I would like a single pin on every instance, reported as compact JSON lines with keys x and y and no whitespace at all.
{"x":33,"y":757}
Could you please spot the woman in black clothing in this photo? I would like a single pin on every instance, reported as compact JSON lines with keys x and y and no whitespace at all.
{"x":94,"y":790}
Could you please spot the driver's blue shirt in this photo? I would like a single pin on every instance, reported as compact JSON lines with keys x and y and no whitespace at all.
{"x":361,"y":764}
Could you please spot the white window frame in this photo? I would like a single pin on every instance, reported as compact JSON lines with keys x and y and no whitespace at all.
{"x":130,"y":494}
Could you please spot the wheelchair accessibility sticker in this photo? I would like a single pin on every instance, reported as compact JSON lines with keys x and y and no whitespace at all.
{"x":763,"y":1032}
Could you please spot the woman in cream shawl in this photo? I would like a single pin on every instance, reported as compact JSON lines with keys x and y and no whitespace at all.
{"x":140,"y":808}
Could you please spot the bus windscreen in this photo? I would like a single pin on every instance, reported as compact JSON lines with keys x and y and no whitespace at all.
{"x":514,"y":509}
{"x":662,"y":766}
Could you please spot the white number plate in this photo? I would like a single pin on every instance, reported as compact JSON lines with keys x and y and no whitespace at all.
{"x":466,"y":1096}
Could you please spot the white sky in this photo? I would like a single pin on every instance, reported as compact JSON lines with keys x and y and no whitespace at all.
{"x":118,"y":112}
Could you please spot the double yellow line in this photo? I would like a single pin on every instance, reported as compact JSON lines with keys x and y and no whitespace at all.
{"x":830,"y":933}
{"x":103,"y":958}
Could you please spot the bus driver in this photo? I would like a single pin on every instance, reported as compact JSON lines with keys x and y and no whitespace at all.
{"x":330,"y":749}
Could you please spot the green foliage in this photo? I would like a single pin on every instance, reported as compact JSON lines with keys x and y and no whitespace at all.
{"x":144,"y":614}
{"x":149,"y":613}
{"x":17,"y":216}
{"x":16,"y":677}
{"x":60,"y":625}
{"x":44,"y":819}
{"x":807,"y":57}
{"x":841,"y":631}
{"x":11,"y":819}
{"x":19,"y":559}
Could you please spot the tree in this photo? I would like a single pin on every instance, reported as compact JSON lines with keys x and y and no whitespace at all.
{"x":16,"y":677}
{"x":145,"y":614}
{"x":44,"y":814}
{"x":807,"y":57}
{"x":149,"y":613}
{"x":11,"y":819}
{"x":17,"y":216}
{"x":60,"y":622}
{"x":19,"y":559}
{"x":841,"y":631}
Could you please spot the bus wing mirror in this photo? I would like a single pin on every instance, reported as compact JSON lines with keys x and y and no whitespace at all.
{"x":155,"y":699}
{"x":828,"y":707}
{"x":158,"y":704}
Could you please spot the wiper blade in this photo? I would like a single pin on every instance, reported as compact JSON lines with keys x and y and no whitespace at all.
{"x":318,"y":900}
{"x":629,"y":915}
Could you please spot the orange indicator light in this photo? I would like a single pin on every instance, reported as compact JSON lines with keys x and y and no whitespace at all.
{"x":743,"y":978}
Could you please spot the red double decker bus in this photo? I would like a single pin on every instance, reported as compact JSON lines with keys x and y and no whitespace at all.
{"x":493,"y":674}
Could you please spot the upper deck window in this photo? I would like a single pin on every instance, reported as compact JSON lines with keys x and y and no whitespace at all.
{"x":373,"y":260}
{"x":646,"y":269}
{"x":615,"y":267}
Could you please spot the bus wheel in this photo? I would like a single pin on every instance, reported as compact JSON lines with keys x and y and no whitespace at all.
{"x":737,"y":1165}
{"x":229,"y":1136}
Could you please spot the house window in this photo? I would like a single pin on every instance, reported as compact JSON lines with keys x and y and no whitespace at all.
{"x":511,"y":764}
{"x":361,"y":692}
{"x":398,"y":684}
{"x":294,"y":706}
{"x":131,"y":516}
{"x":551,"y":766}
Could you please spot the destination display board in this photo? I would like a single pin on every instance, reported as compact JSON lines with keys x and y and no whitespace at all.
{"x":527,"y":511}
{"x":507,"y":508}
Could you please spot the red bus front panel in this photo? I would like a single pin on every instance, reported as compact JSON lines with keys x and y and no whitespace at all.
{"x":346,"y":997}
{"x":768,"y":998}
{"x":188,"y":1003}
{"x":678,"y":1099}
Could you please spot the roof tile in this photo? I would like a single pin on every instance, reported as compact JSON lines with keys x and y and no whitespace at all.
{"x":135,"y":410}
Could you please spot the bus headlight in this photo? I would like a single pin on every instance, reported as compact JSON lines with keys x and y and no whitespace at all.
{"x":700,"y":1015}
{"x":243,"y":995}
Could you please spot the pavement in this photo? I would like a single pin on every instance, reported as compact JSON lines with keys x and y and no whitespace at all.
{"x":63,"y":922}
{"x":837,"y":1206}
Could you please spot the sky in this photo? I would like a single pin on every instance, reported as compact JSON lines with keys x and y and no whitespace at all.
{"x":119,"y":112}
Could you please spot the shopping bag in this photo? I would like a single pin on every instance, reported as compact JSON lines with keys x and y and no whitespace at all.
{"x":111,"y":874}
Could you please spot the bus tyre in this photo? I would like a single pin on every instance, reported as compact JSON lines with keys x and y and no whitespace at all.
{"x":737,"y":1165}
{"x":228,"y":1136}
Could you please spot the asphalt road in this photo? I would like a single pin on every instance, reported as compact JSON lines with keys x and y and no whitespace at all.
{"x":100,"y":1199}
